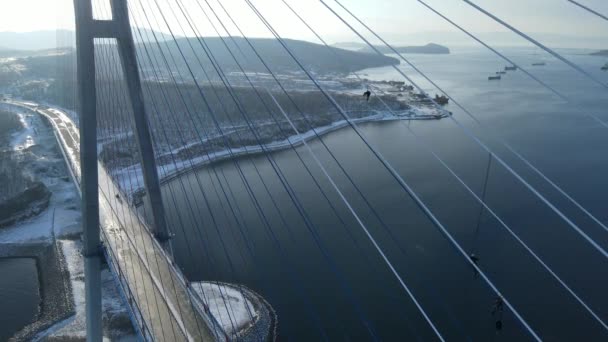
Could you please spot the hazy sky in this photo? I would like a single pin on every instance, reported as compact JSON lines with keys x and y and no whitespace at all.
{"x":394,"y":18}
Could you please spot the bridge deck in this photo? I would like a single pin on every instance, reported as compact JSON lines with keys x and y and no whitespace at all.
{"x":159,"y":297}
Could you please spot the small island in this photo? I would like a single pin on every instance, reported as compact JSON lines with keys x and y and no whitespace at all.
{"x":430,"y":49}
{"x":603,"y":53}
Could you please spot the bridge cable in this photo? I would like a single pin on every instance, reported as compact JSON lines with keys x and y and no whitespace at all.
{"x":201,"y":187}
{"x":507,"y":145}
{"x":291,"y":123}
{"x":510,"y":61}
{"x":228,"y":310}
{"x":109,"y":80}
{"x":201,"y":141}
{"x":298,"y":133}
{"x":289,"y":141}
{"x":471,"y":135}
{"x":537,"y":43}
{"x":310,"y":225}
{"x":215,"y":224}
{"x":404,"y":185}
{"x":481,"y":208}
{"x":588,"y":9}
{"x":139,"y":186}
{"x":101,"y":118}
{"x":133,"y":188}
{"x":104,"y":46}
{"x":188,"y":110}
{"x":296,"y":106}
{"x":211,"y":111}
{"x":420,"y":141}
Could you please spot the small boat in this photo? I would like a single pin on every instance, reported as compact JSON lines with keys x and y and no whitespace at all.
{"x":539,"y":64}
{"x":494,"y":78}
{"x":442,"y":100}
{"x":501,"y":72}
{"x":510,"y":68}
{"x":605,"y":67}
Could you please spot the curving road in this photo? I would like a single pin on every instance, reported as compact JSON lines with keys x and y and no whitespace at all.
{"x":163,"y":306}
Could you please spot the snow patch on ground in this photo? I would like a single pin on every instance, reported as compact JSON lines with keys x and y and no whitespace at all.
{"x":63,"y":212}
{"x":62,"y":221}
{"x":115,"y":315}
{"x":230,"y":308}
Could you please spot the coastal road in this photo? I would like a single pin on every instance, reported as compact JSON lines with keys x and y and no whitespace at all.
{"x":158,"y":294}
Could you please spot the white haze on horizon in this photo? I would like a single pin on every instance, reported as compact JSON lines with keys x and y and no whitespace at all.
{"x":557,"y":22}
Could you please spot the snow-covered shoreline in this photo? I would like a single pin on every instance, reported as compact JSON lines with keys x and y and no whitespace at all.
{"x":131,"y":181}
{"x":130,"y":178}
{"x":131,"y":175}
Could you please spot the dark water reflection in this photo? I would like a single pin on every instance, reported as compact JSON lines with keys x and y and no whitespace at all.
{"x":19,"y":295}
{"x":292,"y":270}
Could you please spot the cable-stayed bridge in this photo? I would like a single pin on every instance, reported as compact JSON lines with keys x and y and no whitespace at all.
{"x":155,"y":109}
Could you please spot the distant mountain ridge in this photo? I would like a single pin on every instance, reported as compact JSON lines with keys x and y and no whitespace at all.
{"x":10,"y":53}
{"x":507,"y":39}
{"x":44,"y":40}
{"x":35,"y":40}
{"x":315,"y":57}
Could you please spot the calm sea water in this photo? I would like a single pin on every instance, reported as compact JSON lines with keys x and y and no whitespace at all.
{"x":327,"y":278}
{"x":19,"y":295}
